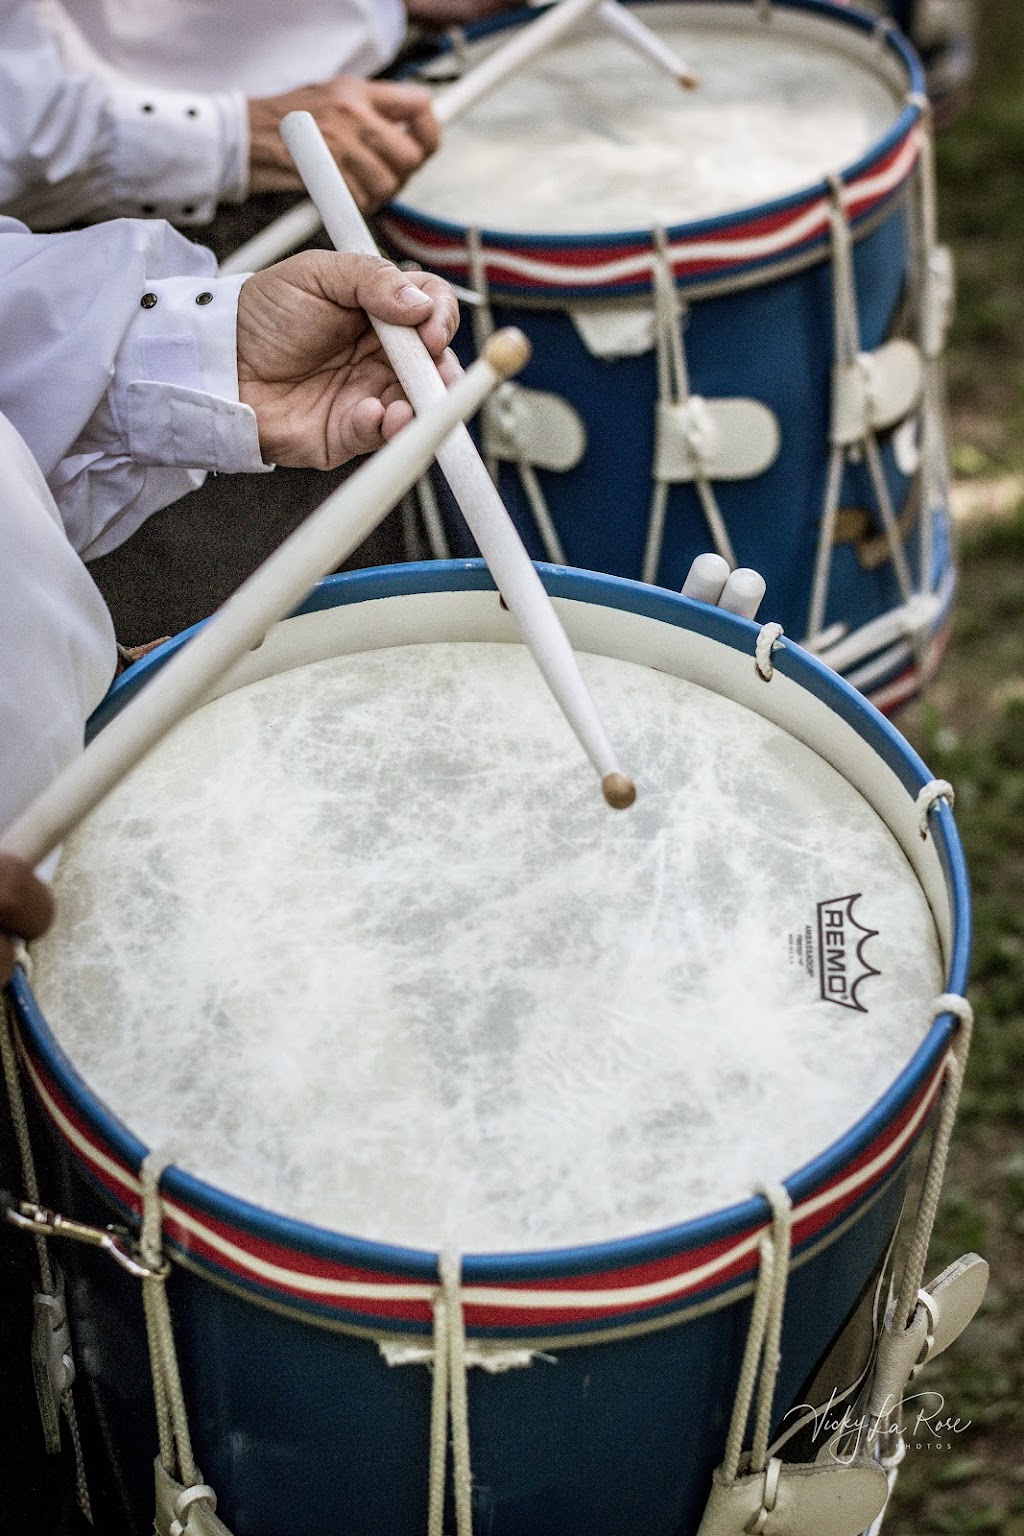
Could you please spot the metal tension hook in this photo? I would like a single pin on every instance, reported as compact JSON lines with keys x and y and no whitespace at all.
{"x":40,"y":1221}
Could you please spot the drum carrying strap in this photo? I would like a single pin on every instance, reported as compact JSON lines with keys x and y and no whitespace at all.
{"x":52,"y":1362}
{"x":185,"y":1505}
{"x":756,"y":1494}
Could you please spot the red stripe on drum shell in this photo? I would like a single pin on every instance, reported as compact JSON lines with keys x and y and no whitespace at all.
{"x":560,"y":1301}
{"x":764,"y":239}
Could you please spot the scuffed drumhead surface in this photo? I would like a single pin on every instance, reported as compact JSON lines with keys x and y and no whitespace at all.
{"x":364,"y":944}
{"x":593,"y":137}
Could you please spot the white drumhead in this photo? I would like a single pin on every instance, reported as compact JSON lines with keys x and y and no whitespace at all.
{"x":594,"y":138}
{"x":362,"y":942}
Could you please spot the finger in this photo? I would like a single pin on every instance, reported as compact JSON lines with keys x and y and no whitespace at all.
{"x":385,"y":293}
{"x":372,"y":180}
{"x":26,"y":905}
{"x":439,"y":330}
{"x":449,"y":367}
{"x":401,"y":152}
{"x":397,"y":415}
{"x":409,"y":104}
{"x":359,"y":431}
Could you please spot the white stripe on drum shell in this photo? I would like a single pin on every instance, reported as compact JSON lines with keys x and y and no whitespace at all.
{"x":611,"y":1300}
{"x":724,"y":250}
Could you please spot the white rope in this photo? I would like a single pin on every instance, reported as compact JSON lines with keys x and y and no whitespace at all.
{"x":438,"y":1419}
{"x":826,"y":542}
{"x":934,"y":791}
{"x":19,"y":1119}
{"x":450,"y":1401}
{"x":931,"y":1193}
{"x":768,"y":637}
{"x":782,"y":1207}
{"x":761,"y":1353}
{"x":431,"y":515}
{"x":932,"y":395}
{"x":892,"y":533}
{"x":674,"y":389}
{"x":47,"y":1278}
{"x":553,"y":546}
{"x":172,"y":1419}
{"x":483,"y":328}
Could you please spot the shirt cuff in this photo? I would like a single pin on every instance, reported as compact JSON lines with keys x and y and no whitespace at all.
{"x":177,"y":154}
{"x":174,"y":396}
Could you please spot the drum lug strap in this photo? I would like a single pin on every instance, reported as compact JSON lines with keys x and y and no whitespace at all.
{"x":718,"y":439}
{"x":53,"y":1366}
{"x":875,"y":391}
{"x":532,"y":426}
{"x":938,"y":301}
{"x":796,"y":1499}
{"x":182,"y":1511}
{"x":944,"y":1309}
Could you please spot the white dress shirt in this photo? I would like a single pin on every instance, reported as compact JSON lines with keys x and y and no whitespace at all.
{"x":118,"y":367}
{"x":57,"y":651}
{"x":137,"y":107}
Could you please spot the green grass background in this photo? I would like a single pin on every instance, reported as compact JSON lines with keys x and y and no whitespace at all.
{"x":970,"y":729}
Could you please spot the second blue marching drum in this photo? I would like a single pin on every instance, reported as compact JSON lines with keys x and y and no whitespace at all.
{"x":737,"y":309}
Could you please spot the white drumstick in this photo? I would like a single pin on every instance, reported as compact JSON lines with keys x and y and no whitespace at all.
{"x":527,"y":44}
{"x":632,"y":30}
{"x":706,"y":579}
{"x":463,"y":468}
{"x":316,"y":547}
{"x":743,"y":593}
{"x":278,"y":240}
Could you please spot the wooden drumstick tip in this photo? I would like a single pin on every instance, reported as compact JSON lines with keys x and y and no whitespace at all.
{"x":618,"y":790}
{"x":689,"y":82}
{"x":507,"y":351}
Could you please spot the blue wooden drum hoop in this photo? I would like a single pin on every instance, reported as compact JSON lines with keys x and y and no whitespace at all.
{"x":759,"y":286}
{"x":616,"y":1428}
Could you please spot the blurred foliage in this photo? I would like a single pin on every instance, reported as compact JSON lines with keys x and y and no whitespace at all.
{"x":981,"y":183}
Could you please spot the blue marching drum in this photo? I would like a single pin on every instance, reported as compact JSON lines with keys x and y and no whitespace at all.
{"x":737,"y":307}
{"x":452,"y":1098}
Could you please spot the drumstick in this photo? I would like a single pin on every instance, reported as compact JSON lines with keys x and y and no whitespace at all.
{"x":463,"y":468}
{"x":527,"y":44}
{"x":316,"y":547}
{"x":632,"y":30}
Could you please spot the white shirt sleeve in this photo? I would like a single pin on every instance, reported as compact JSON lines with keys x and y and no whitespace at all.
{"x":119,"y":370}
{"x":57,"y":651}
{"x":75,"y":144}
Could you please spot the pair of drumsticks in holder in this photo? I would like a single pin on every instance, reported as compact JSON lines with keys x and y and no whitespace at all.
{"x":346,"y":518}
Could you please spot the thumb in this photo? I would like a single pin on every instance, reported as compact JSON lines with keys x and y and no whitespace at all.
{"x":375,"y":285}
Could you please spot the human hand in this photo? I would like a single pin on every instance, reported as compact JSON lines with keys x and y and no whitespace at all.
{"x":26,"y":909}
{"x":379,"y":132}
{"x":310,"y":364}
{"x":455,"y":13}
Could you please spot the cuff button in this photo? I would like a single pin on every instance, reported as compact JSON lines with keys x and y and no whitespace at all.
{"x":148,"y":300}
{"x":204,"y":298}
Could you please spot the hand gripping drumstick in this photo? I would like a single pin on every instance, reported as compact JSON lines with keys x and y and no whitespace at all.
{"x":316,"y":547}
{"x":303,"y":221}
{"x":464,"y":470}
